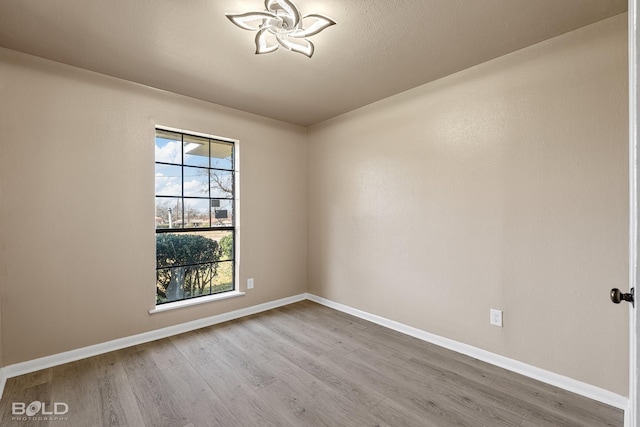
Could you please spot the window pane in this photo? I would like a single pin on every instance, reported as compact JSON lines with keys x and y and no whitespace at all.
{"x":197,"y":280}
{"x":168,"y":147}
{"x":221,"y":155}
{"x":222,"y":212}
{"x":187,"y":264}
{"x":196,"y":182}
{"x":196,"y":151}
{"x":196,"y":213}
{"x":178,"y":283}
{"x":223,"y":279}
{"x":225,"y":242}
{"x":221,"y":184}
{"x":186,"y":248}
{"x":168,"y":212}
{"x":169,"y":284}
{"x":168,"y":180}
{"x":163,"y":277}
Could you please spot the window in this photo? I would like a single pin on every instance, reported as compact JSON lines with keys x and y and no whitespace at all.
{"x":195,"y":211}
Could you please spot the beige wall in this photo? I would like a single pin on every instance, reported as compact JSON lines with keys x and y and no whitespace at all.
{"x":77,"y":171}
{"x":503,"y":186}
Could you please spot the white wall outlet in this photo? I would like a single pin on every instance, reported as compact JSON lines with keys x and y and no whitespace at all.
{"x":249,"y":283}
{"x":495,"y":317}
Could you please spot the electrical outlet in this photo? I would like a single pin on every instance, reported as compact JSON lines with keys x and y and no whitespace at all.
{"x":495,"y":317}
{"x":249,"y":283}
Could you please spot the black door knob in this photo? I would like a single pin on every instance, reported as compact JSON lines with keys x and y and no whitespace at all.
{"x":617,"y":296}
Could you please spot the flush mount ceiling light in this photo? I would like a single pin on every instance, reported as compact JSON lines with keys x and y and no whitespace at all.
{"x":281,"y":25}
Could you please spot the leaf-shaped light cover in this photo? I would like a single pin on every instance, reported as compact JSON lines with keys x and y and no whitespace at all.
{"x":281,"y":24}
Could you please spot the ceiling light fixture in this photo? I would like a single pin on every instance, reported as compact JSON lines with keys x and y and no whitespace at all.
{"x":281,"y":25}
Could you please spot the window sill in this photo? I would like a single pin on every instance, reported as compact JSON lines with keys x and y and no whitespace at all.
{"x":195,"y":301}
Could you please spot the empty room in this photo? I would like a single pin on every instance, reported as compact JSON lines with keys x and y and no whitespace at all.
{"x":318,"y":213}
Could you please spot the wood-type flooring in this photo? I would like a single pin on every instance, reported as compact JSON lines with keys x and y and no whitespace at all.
{"x":299,"y":365}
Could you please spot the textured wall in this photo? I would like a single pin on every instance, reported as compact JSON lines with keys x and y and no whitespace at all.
{"x":77,"y":259}
{"x":503,"y":186}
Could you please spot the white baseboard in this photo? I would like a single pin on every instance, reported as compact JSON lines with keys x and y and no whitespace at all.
{"x":578,"y":387}
{"x":3,"y":381}
{"x":22,"y":368}
{"x":557,"y":380}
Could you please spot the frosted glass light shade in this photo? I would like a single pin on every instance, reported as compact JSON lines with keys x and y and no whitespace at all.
{"x":282,"y":25}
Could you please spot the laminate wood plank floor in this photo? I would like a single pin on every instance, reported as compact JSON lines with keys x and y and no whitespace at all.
{"x":300,"y":365}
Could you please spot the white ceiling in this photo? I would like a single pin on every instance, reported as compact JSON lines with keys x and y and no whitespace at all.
{"x":377,"y":49}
